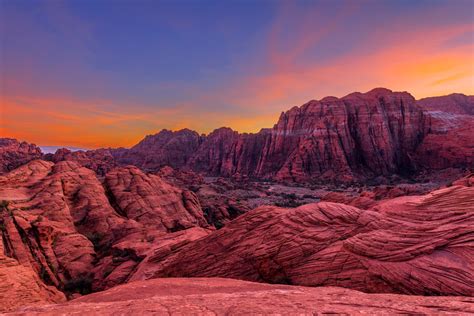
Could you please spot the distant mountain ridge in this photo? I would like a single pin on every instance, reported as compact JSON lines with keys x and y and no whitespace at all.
{"x":356,"y":137}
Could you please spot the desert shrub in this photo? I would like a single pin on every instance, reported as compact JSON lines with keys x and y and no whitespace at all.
{"x":218,"y":224}
{"x":81,"y":285}
{"x":95,"y":238}
{"x":4,"y":205}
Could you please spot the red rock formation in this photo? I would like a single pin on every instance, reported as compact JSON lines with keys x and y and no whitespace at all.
{"x":14,"y":153}
{"x":368,"y":199}
{"x":449,"y":143}
{"x":149,"y":200}
{"x":455,"y":103}
{"x":228,"y":153}
{"x":165,"y":148}
{"x":216,"y":296}
{"x":99,"y":160}
{"x":20,"y":285}
{"x":62,"y":221}
{"x":359,"y":135}
{"x":412,"y":245}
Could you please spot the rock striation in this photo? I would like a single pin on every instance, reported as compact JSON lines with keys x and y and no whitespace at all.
{"x":62,"y":224}
{"x":167,"y":148}
{"x":419,"y":245}
{"x":456,"y":103}
{"x":14,"y":153}
{"x":217,"y":296}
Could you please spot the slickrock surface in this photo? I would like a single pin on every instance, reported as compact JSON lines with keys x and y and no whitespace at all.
{"x":14,"y":153}
{"x":455,"y":103}
{"x":216,"y":296}
{"x":370,"y":198}
{"x":412,"y":245}
{"x":150,"y":200}
{"x":62,"y":223}
{"x":20,"y":286}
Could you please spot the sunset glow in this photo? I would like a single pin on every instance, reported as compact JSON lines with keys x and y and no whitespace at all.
{"x":105,"y":73}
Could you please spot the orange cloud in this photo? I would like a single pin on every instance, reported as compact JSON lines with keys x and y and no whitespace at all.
{"x":412,"y":64}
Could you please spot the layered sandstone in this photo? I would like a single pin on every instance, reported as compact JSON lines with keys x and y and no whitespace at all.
{"x":167,"y":148}
{"x":412,"y":245}
{"x":456,"y":103}
{"x":63,"y":224}
{"x":14,"y":153}
{"x":99,"y":160}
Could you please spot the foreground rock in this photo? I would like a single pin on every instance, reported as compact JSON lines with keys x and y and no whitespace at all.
{"x":78,"y":234}
{"x":216,"y":296}
{"x":419,"y":245}
{"x":20,"y":286}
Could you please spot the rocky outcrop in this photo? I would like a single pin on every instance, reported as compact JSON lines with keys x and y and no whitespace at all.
{"x":167,"y":148}
{"x":449,"y":143}
{"x":65,"y":225}
{"x":14,"y":153}
{"x":216,"y":296}
{"x":227,"y":153}
{"x":20,"y":286}
{"x":358,"y":135}
{"x":455,"y":103}
{"x":99,"y":160}
{"x":412,"y":245}
{"x":355,"y":138}
{"x":149,"y":200}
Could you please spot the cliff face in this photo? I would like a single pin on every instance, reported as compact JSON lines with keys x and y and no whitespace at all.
{"x":360,"y":134}
{"x":228,"y":153}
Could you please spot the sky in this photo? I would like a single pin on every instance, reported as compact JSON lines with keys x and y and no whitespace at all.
{"x":105,"y":73}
